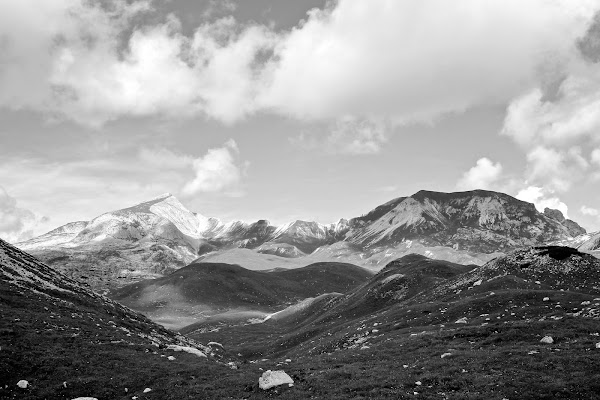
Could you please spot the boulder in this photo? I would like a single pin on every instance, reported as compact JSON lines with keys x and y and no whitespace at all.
{"x":271,"y":379}
{"x":547,"y":340}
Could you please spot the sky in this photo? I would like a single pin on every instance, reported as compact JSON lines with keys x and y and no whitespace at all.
{"x":286,"y":109}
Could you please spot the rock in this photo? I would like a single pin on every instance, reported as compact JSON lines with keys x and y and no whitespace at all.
{"x":170,"y":358}
{"x":271,"y":379}
{"x":85,"y":398}
{"x":445,"y":355}
{"x":462,"y":320}
{"x":418,"y":383}
{"x":479,"y":282}
{"x":23,"y":384}
{"x":547,"y":340}
{"x":147,"y":390}
{"x":546,"y":299}
{"x":598,"y":345}
{"x":586,"y":303}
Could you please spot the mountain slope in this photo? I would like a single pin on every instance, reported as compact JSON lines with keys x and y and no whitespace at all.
{"x":203,"y":290}
{"x":525,"y":325}
{"x":157,"y":237}
{"x":55,"y":330}
{"x":592,"y":243}
{"x":479,"y":221}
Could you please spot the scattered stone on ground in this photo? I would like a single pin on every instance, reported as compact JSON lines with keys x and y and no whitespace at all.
{"x":271,"y":379}
{"x":547,"y":340}
{"x":23,"y":384}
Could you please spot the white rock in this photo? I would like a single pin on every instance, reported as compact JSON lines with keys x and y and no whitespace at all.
{"x":547,"y":340}
{"x":147,"y":390}
{"x":445,"y":355}
{"x":418,"y":383}
{"x":85,"y":398}
{"x":288,"y":360}
{"x":479,"y":282}
{"x":186,"y":349}
{"x":546,"y":299}
{"x":23,"y":384}
{"x":170,"y":358}
{"x":598,"y":345}
{"x":586,"y":303}
{"x":462,"y":320}
{"x":271,"y":379}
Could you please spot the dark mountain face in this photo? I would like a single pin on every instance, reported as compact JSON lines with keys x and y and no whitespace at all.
{"x":480,"y":221}
{"x":201,"y":290}
{"x":572,"y":226}
{"x":445,"y":328}
{"x":55,"y":330}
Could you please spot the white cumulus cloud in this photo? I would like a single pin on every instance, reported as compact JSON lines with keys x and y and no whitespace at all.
{"x":216,"y":171}
{"x":94,"y":62}
{"x":542,"y":198}
{"x":585,"y":210}
{"x":484,"y":175}
{"x":16,"y":223}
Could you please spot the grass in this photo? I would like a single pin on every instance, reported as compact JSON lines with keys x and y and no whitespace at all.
{"x":72,"y":344}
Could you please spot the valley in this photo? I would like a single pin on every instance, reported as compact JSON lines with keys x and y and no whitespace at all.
{"x":451,"y":296}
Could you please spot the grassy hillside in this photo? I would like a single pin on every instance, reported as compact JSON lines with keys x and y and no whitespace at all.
{"x":456,"y":338}
{"x":203,"y":290}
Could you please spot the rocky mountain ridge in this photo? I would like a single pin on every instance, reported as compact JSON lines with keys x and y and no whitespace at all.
{"x":156,"y":237}
{"x":479,"y":221}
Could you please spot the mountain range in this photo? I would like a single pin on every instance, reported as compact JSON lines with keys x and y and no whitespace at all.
{"x":157,"y":237}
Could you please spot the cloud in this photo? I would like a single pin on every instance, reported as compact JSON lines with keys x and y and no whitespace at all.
{"x":585,"y":210}
{"x":413,"y":61}
{"x":542,"y":198}
{"x":484,"y":175}
{"x":556,"y":169}
{"x":347,"y":135}
{"x":595,"y":157}
{"x":164,"y":158}
{"x":83,"y":189}
{"x":16,"y":223}
{"x":94,"y":62}
{"x":388,"y":189}
{"x":216,"y":171}
{"x":553,"y":122}
{"x":219,"y":170}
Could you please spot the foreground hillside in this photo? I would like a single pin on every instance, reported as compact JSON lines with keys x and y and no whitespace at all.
{"x":69,"y":342}
{"x":523,"y":326}
{"x":224,"y":291}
